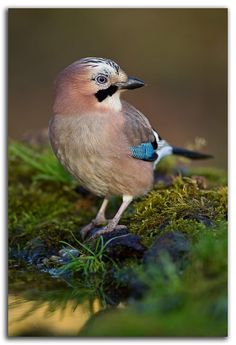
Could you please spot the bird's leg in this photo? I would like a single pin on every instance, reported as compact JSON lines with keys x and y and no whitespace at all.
{"x":114,"y":222}
{"x":98,"y":220}
{"x":100,"y":217}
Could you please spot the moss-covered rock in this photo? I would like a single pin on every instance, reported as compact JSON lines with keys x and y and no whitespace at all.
{"x":183,"y":206}
{"x":193,"y":303}
{"x":47,"y":210}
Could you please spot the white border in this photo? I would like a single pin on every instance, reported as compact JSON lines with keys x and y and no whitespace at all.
{"x":232,"y":145}
{"x":120,"y":3}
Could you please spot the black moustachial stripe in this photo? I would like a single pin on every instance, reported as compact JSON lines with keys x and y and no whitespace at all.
{"x":103,"y":94}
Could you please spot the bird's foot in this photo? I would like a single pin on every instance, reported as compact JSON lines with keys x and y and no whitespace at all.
{"x":87,"y":228}
{"x":105,"y":230}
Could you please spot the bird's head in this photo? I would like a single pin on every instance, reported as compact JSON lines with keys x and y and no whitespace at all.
{"x":92,"y":82}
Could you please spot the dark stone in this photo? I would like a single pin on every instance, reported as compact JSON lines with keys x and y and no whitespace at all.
{"x":122,"y":244}
{"x":36,"y":250}
{"x":55,"y":259}
{"x":50,"y":264}
{"x":67,"y":254}
{"x":174,"y":243}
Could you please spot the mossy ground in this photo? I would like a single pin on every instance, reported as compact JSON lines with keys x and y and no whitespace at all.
{"x":182,"y":206}
{"x":45,"y":207}
{"x":189,"y":303}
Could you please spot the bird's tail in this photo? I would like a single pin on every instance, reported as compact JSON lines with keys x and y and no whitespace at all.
{"x":189,"y":154}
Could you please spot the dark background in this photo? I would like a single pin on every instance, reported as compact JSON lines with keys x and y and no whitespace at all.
{"x":180,"y":53}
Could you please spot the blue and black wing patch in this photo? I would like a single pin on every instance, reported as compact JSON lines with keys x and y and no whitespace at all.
{"x":145,"y":152}
{"x":142,"y":137}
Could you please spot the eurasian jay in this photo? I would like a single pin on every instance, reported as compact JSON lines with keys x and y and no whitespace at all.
{"x":104,"y":142}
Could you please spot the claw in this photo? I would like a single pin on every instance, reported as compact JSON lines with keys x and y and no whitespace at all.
{"x":105,"y":230}
{"x":85,"y":230}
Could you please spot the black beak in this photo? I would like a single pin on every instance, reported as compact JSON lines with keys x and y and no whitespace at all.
{"x":131,"y":83}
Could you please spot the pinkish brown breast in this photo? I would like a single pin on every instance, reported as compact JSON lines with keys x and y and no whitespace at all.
{"x":95,"y":151}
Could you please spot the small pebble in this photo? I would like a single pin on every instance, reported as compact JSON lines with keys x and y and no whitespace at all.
{"x":55,"y":258}
{"x":68,"y":254}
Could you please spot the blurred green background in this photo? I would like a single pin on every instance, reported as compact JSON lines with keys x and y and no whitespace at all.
{"x":180,"y":53}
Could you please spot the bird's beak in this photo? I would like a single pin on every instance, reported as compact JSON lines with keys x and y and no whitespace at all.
{"x":131,"y":83}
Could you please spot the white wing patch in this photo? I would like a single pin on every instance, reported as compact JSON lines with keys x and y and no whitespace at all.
{"x":163,"y":148}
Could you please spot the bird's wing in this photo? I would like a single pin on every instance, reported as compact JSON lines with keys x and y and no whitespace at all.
{"x":143,"y":139}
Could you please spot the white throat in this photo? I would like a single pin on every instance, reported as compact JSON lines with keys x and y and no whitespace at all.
{"x":113,"y":102}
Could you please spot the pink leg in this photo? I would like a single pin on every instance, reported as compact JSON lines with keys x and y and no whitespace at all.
{"x":99,"y":220}
{"x":114,"y":222}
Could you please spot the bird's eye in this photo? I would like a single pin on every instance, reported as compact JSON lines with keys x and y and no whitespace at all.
{"x":101,"y":79}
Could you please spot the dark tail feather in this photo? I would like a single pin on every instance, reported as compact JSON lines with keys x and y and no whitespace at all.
{"x":190,"y":154}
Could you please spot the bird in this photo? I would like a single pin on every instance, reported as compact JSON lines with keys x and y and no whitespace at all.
{"x":107,"y":144}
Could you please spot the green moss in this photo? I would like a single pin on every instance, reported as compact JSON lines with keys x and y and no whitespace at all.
{"x":42,"y":200}
{"x":182,"y":206}
{"x":180,"y":165}
{"x":168,"y":165}
{"x":193,"y":303}
{"x":38,"y":162}
{"x":45,"y":209}
{"x":214,"y":176}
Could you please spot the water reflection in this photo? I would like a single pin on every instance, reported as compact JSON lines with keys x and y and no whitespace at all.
{"x":29,"y":317}
{"x":42,"y":306}
{"x":36,"y":318}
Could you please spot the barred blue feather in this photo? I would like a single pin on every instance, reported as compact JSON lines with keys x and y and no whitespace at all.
{"x":144,"y":151}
